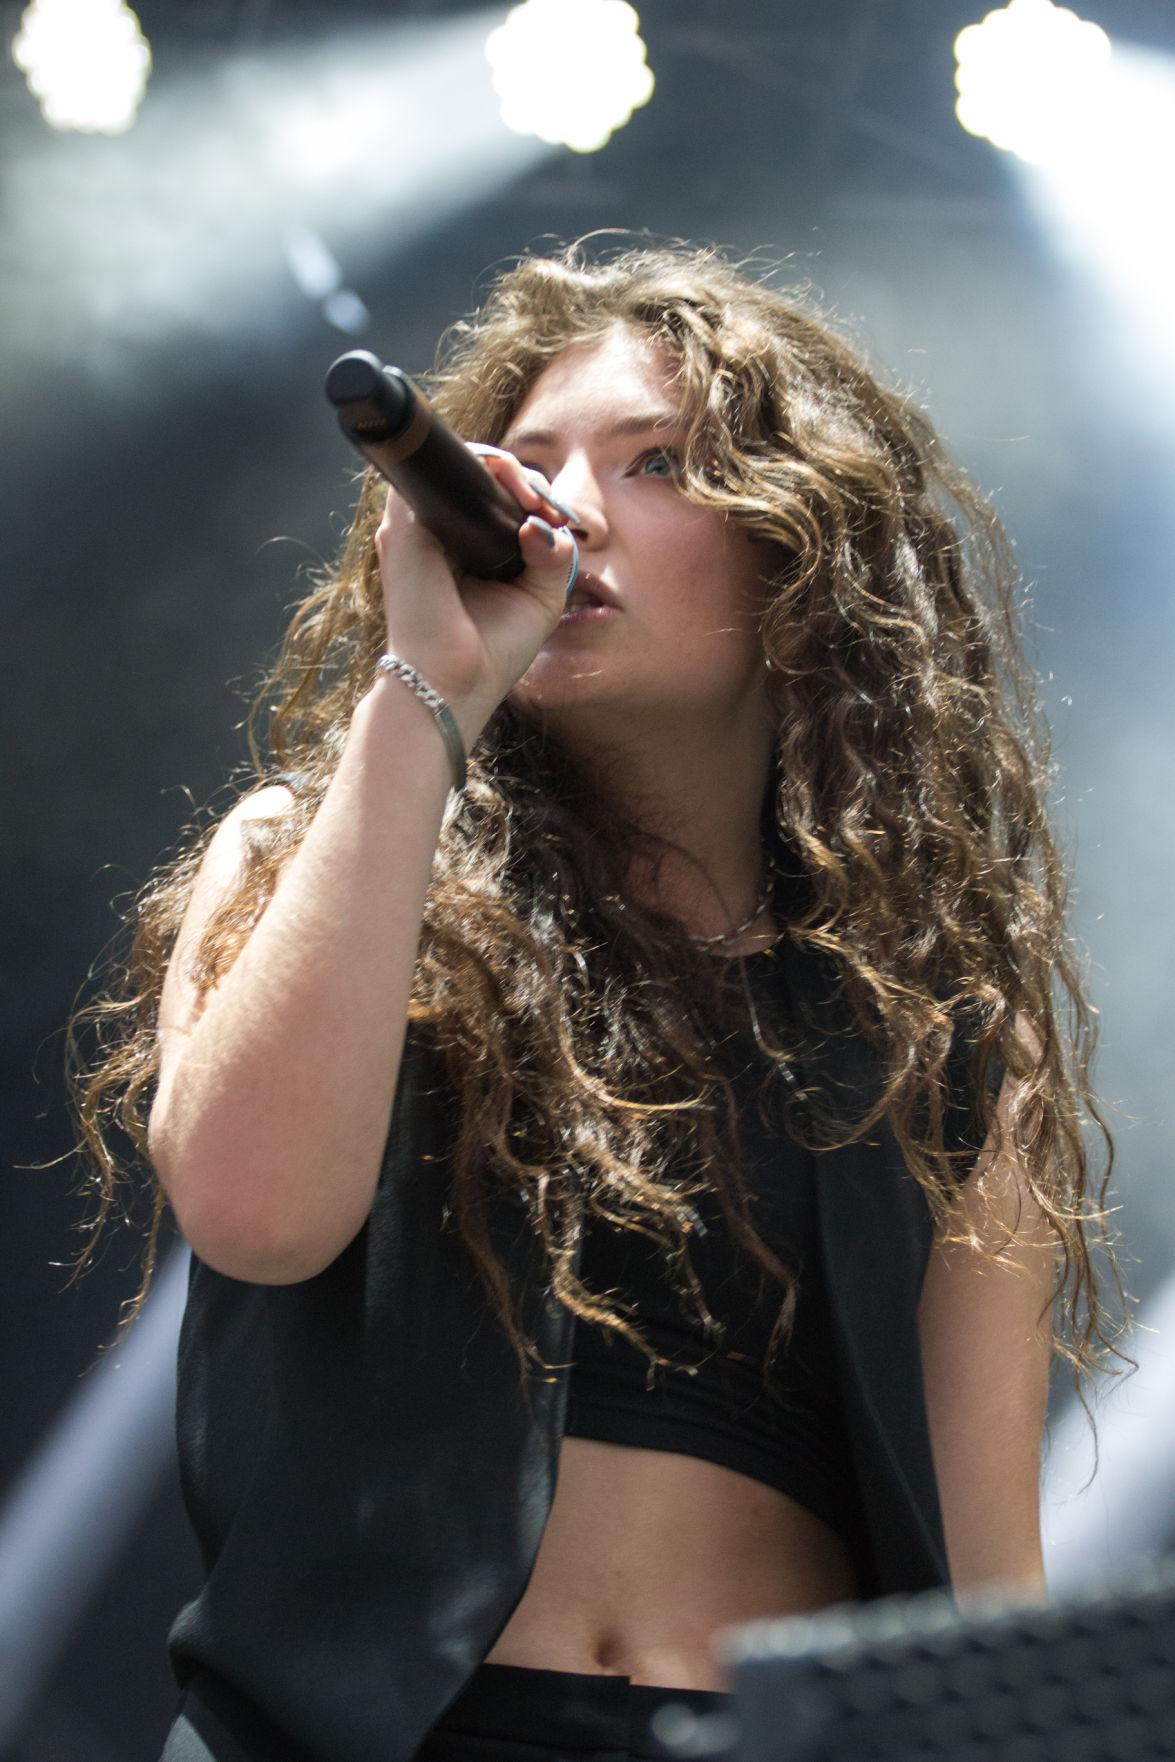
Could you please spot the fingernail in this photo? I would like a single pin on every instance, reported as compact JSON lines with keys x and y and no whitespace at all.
{"x":539,"y":480}
{"x":547,"y":531}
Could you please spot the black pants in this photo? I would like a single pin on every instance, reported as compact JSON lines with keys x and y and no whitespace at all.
{"x":506,"y":1713}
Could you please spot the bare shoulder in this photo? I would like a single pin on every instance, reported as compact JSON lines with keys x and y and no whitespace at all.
{"x":221,"y":861}
{"x":262,"y":803}
{"x":180,"y":1003}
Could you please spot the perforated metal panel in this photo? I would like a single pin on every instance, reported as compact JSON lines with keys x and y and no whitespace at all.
{"x":913,"y":1679}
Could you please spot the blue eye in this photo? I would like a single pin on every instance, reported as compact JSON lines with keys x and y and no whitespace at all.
{"x":667,"y":453}
{"x":670,"y":454}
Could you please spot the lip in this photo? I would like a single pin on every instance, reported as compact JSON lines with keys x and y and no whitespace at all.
{"x":598,"y":589}
{"x":587,"y":612}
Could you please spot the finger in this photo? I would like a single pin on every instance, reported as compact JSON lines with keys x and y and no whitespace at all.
{"x":544,"y":489}
{"x":396,"y":511}
{"x":559,"y":545}
{"x":505,"y":469}
{"x":401,"y":530}
{"x":522,"y":477}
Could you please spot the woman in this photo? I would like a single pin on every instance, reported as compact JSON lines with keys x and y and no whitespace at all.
{"x":675,"y":1105}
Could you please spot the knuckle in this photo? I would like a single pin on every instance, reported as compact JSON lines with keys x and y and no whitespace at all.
{"x":396,"y":516}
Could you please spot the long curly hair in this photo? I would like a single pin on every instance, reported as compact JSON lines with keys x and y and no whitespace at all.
{"x":906,"y":810}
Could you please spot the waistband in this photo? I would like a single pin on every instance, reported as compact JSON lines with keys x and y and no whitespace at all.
{"x":566,"y":1709}
{"x":552,"y":1710}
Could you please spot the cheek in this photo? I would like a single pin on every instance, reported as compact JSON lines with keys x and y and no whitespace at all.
{"x":693,"y":553}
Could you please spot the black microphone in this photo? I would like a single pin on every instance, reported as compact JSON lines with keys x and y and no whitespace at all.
{"x":392,"y":423}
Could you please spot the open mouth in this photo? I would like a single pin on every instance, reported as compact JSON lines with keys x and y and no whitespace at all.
{"x":582,"y":609}
{"x":589,"y":591}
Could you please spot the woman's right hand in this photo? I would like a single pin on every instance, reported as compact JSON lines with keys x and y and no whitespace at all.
{"x":473,"y":639}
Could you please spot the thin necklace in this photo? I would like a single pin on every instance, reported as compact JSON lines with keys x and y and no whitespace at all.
{"x":729,"y":935}
{"x":781,"y":1064}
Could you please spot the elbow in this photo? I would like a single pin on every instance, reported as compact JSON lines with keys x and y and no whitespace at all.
{"x":230,"y":1233}
{"x":238,"y":1254}
{"x":237,"y":1248}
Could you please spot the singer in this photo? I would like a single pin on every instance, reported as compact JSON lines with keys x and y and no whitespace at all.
{"x":606,"y":1063}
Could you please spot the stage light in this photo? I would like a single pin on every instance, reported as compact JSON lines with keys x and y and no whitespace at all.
{"x":1030,"y":78}
{"x":182,"y":225}
{"x":1092,"y":126}
{"x":570,"y":72}
{"x":1106,"y":206}
{"x":86,"y":62}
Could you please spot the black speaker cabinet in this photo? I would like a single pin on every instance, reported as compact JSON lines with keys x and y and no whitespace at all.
{"x":913,"y":1679}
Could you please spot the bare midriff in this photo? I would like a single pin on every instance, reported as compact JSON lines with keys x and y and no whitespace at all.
{"x":648,"y":1555}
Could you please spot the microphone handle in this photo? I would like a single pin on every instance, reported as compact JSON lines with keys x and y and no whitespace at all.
{"x":392,"y":423}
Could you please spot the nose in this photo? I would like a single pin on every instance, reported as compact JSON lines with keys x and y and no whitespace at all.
{"x":575,"y":485}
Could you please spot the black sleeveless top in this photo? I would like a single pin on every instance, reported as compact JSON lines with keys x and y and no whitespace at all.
{"x":787,"y":1430}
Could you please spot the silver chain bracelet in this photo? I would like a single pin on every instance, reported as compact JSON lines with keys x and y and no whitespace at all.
{"x":439,"y":708}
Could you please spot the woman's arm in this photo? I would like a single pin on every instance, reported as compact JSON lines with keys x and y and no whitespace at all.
{"x":275,"y":1097}
{"x":985,"y":1336}
{"x":276,"y":1089}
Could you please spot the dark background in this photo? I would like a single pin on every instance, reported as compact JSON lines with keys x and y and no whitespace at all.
{"x":172,"y":470}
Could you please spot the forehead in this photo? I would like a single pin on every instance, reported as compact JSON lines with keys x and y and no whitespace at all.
{"x":592,"y":382}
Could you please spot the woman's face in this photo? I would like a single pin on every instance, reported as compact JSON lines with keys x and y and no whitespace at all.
{"x":685,"y":640}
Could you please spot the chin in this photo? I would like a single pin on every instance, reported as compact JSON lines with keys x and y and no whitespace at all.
{"x":554,"y":684}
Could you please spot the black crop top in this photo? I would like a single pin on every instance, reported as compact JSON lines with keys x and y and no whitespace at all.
{"x":789,"y":1433}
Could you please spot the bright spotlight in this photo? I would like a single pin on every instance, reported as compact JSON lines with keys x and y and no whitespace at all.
{"x":569,"y":71}
{"x":1030,"y":78}
{"x":216,"y":199}
{"x":86,"y":63}
{"x":1107,"y":205}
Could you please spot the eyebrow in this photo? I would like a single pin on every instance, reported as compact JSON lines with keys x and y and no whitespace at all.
{"x":642,"y":423}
